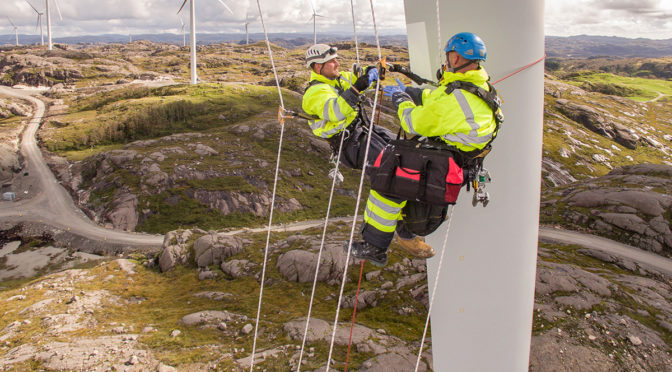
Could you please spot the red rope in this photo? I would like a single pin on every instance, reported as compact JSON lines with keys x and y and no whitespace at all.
{"x":521,"y":69}
{"x":354,"y":313}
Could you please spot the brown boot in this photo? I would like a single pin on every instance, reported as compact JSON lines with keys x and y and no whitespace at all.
{"x":416,"y":246}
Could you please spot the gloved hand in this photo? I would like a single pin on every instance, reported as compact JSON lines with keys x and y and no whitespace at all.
{"x":372,"y":73}
{"x":399,"y":97}
{"x":362,"y":83}
{"x":389,"y":90}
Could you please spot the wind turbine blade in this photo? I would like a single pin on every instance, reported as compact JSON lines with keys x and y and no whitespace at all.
{"x":226,"y":6}
{"x":178,"y":12}
{"x":39,"y":18}
{"x":31,"y":5}
{"x":312,"y":6}
{"x":320,"y":15}
{"x":182,"y":22}
{"x":58,"y":9}
{"x":10,"y":21}
{"x":311,"y":18}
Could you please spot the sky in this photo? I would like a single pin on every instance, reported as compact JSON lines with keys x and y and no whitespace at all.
{"x":626,"y":18}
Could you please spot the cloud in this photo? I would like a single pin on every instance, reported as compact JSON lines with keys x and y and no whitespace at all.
{"x":629,"y":18}
{"x":159,"y":16}
{"x":626,"y":18}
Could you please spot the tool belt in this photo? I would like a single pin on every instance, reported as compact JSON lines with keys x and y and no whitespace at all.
{"x":420,"y":171}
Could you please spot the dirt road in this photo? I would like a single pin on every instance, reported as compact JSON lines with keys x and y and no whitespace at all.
{"x":48,"y":202}
{"x":656,"y":262}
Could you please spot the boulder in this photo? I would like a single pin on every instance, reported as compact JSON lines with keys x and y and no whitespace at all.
{"x":123,"y":213}
{"x":171,"y":256}
{"x":212,"y":249}
{"x":204,"y":150}
{"x":237,"y":268}
{"x":299,"y":265}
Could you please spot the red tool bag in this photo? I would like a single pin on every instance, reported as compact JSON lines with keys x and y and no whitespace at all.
{"x":419,"y":171}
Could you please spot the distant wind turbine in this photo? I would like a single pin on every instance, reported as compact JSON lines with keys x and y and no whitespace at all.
{"x":315,"y":15}
{"x":184,"y":35}
{"x":192,"y":19}
{"x":39,"y":22}
{"x":247,"y":34}
{"x":16,"y":30}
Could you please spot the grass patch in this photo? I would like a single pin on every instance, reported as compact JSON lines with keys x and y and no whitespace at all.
{"x":635,"y":88}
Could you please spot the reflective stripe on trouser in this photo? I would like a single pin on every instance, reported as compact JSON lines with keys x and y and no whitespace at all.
{"x":380,"y":219}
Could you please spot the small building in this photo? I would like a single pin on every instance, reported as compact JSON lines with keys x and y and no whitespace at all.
{"x":9,"y":196}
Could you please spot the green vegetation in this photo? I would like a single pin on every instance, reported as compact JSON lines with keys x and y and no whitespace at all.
{"x":129,"y":114}
{"x":636,"y":88}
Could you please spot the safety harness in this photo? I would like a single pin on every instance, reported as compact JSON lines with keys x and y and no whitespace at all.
{"x":472,"y":161}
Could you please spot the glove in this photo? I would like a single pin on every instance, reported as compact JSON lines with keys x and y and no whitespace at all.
{"x":362,"y":83}
{"x":399,"y":97}
{"x":372,"y":73}
{"x":389,"y":90}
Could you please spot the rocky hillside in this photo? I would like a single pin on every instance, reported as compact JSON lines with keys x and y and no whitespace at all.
{"x":193,"y":306}
{"x":631,"y":204}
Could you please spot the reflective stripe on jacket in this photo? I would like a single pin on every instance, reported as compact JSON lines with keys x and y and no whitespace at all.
{"x":324,"y":101}
{"x":461,"y":118}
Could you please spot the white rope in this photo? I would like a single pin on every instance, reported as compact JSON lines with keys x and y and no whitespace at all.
{"x":354,"y":29}
{"x":275,"y":184}
{"x":436,"y":284}
{"x":438,"y":30}
{"x":359,"y":195}
{"x":319,"y":255}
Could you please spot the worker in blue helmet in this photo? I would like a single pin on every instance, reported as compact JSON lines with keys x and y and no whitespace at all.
{"x":463,"y":112}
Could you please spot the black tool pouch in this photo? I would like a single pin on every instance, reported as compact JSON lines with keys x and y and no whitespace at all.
{"x":413,"y":170}
{"x":354,"y":144}
{"x":422,"y":218}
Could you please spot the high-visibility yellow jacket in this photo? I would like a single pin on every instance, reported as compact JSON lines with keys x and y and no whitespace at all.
{"x":460,"y":118}
{"x":333,"y":102}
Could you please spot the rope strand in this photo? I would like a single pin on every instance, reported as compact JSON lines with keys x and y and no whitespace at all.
{"x":438,"y":30}
{"x":354,"y":29}
{"x":359,"y":195}
{"x":275,"y":184}
{"x":521,"y":69}
{"x":319,"y":255}
{"x":436,"y":284}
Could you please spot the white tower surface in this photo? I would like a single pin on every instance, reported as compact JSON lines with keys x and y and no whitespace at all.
{"x":482,"y":313}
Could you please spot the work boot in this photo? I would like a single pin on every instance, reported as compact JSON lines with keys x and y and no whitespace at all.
{"x":416,"y":246}
{"x":363,"y":250}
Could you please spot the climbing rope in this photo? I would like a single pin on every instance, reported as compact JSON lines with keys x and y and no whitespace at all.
{"x":438,"y":31}
{"x":319,"y":255}
{"x":354,"y":314}
{"x":436,"y":285}
{"x":521,"y":69}
{"x":275,"y":184}
{"x":354,"y":29}
{"x":359,"y":195}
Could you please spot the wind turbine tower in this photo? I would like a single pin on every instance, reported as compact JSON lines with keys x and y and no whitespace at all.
{"x":50,"y":45}
{"x":314,"y":22}
{"x":247,"y":34}
{"x":39,"y":22}
{"x":16,"y":31}
{"x":192,"y":20}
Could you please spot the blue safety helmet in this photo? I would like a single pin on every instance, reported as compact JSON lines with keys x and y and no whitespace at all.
{"x":468,"y":45}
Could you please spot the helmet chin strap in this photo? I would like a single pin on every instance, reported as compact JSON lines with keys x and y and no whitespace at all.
{"x":458,"y":68}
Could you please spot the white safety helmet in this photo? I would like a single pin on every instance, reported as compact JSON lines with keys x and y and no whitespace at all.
{"x":320,"y":53}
